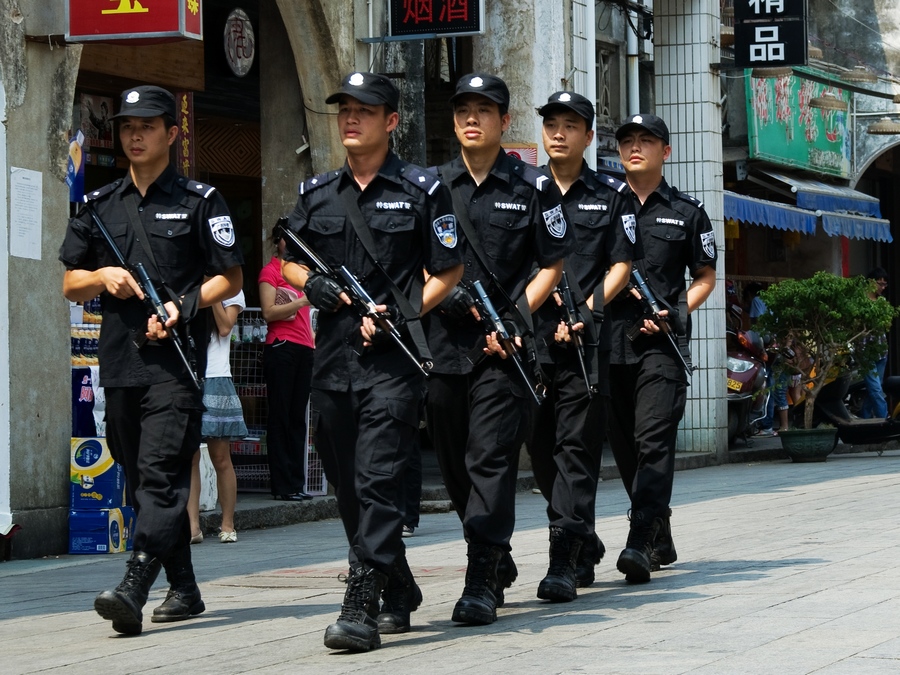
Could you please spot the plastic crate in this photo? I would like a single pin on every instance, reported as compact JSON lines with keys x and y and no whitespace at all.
{"x":252,"y":477}
{"x":248,"y":446}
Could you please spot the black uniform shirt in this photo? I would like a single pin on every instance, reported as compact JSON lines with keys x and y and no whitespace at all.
{"x":676,"y":236}
{"x":605,"y":230}
{"x":191,"y":236}
{"x":411,"y":220}
{"x":518,"y":215}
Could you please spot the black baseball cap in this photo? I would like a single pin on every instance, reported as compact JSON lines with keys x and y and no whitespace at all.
{"x":146,"y":101}
{"x":651,"y":123}
{"x":489,"y":86}
{"x":574,"y":102}
{"x":369,"y":88}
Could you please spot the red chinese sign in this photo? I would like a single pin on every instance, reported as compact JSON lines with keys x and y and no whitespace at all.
{"x":133,"y":20}
{"x":436,"y":17}
{"x":184,"y":144}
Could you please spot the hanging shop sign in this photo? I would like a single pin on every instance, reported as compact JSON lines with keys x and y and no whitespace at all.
{"x":785,"y":130}
{"x":133,"y":20}
{"x":413,"y":19}
{"x":770,"y":33}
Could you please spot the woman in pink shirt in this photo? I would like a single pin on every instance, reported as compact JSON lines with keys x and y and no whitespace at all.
{"x":287,"y":367}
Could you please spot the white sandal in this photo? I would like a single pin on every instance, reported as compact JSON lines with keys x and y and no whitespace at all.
{"x":228,"y":537}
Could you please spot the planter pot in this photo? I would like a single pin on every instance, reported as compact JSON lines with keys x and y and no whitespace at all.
{"x":808,"y":445}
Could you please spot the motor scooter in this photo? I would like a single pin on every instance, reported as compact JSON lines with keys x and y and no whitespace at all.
{"x":870,"y":431}
{"x":747,"y":395}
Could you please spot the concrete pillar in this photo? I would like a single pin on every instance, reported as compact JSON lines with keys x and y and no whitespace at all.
{"x":408,"y":57}
{"x":687,"y":97}
{"x":38,"y":87}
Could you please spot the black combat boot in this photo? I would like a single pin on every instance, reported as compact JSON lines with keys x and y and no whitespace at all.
{"x":357,"y":627}
{"x":123,"y":605}
{"x":183,"y":599}
{"x":634,"y":561}
{"x":664,"y":549}
{"x":478,"y":604}
{"x":559,"y":584}
{"x":507,"y":573}
{"x":592,"y":552}
{"x":400,"y":597}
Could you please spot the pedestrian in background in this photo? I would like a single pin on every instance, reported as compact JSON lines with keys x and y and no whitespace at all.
{"x":223,"y":422}
{"x":651,"y":383}
{"x":181,"y":232}
{"x":287,"y":368}
{"x":875,"y":406}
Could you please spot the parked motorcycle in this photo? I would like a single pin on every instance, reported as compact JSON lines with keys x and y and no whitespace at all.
{"x":870,"y":431}
{"x":747,"y":395}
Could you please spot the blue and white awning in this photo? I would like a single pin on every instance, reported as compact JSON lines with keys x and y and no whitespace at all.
{"x":818,"y":196}
{"x":770,"y":214}
{"x":856,"y":227}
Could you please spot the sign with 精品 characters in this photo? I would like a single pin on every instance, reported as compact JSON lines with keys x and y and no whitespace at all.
{"x":770,"y":33}
{"x":133,"y":20}
{"x":427,"y":18}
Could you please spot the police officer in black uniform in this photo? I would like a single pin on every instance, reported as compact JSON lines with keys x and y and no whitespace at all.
{"x":181,"y":232}
{"x":569,"y":428}
{"x":478,"y":408}
{"x":366,"y":390}
{"x":650,"y":377}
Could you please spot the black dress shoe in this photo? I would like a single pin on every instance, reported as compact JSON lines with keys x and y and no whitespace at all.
{"x":303,"y":495}
{"x":289,"y":498}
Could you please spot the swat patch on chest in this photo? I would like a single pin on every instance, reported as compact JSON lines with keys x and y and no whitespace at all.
{"x":222,"y":231}
{"x":172,"y":216}
{"x":393,"y":206}
{"x":593,"y":207}
{"x":555,"y":220}
{"x":510,"y":206}
{"x":670,"y":221}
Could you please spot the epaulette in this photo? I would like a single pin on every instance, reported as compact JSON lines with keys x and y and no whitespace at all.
{"x":102,"y":192}
{"x":196,"y":187}
{"x":610,"y":182}
{"x":688,"y":198}
{"x":318,"y":181}
{"x":422,"y":179}
{"x":532,"y":175}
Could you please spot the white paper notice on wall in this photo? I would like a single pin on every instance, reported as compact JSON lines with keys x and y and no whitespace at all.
{"x":25,"y":201}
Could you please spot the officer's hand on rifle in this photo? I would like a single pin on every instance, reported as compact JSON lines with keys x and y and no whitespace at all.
{"x":372,"y":333}
{"x":563,"y":334}
{"x":324,"y":293}
{"x":652,"y":327}
{"x":156,"y":330}
{"x":459,"y":303}
{"x":119,"y":283}
{"x":495,"y":345}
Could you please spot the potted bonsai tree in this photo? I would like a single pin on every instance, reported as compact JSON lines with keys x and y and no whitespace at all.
{"x":829,"y":319}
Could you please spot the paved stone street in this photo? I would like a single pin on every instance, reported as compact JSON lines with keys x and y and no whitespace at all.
{"x":783,"y":568}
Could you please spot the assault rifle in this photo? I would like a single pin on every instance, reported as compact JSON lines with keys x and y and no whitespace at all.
{"x":570,"y":317}
{"x":362,"y":301}
{"x":647,"y":296}
{"x":152,"y":301}
{"x":494,"y":324}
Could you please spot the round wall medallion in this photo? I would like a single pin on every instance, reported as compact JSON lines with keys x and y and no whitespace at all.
{"x":240,"y":42}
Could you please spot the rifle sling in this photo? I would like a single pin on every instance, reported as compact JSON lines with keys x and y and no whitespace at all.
{"x":409,"y":307}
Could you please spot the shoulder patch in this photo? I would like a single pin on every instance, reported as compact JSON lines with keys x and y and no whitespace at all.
{"x":199,"y":188}
{"x":611,"y":182}
{"x":421,"y":178}
{"x":533,"y":176}
{"x":318,"y":181}
{"x":688,"y":198}
{"x":102,"y":192}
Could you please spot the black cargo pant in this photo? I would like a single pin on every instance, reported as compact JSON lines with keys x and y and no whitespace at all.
{"x":566,"y":445}
{"x":153,"y":432}
{"x":364,"y":437}
{"x":477,"y":423}
{"x":645,"y":410}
